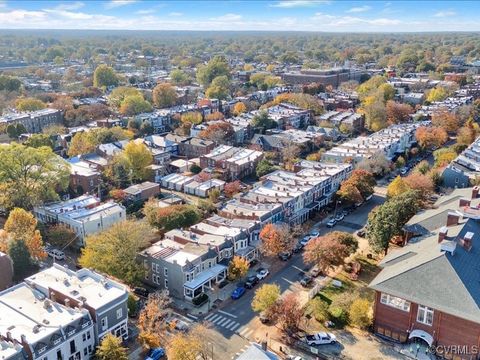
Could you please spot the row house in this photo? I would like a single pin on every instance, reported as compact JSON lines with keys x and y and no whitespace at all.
{"x":84,"y":177}
{"x":290,"y":116}
{"x":464,"y":169}
{"x":427,"y":291}
{"x":263,"y":213}
{"x":35,"y":121}
{"x":160,"y":120}
{"x":142,"y":192}
{"x":232,"y":163}
{"x":191,"y":147}
{"x":85,"y":215}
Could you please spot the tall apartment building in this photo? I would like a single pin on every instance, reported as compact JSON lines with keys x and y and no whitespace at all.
{"x":34,"y":121}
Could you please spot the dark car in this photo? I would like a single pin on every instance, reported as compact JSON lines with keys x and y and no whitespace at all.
{"x":298,"y":247}
{"x":361,"y":233}
{"x":222,"y":283}
{"x":141,"y":292}
{"x":306,"y":281}
{"x":285,"y":255}
{"x":251,"y":282}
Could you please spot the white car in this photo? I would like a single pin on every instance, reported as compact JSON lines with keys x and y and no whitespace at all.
{"x":320,"y":338}
{"x":56,"y":254}
{"x":262,"y":273}
{"x":305,"y":240}
{"x":331,"y":223}
{"x":339,"y":217}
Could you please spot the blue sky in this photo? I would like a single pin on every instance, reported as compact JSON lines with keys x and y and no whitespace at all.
{"x":297,"y":15}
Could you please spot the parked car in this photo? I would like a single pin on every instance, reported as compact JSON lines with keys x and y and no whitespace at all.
{"x":331,"y":223}
{"x":305,"y":240}
{"x":314,"y":233}
{"x":307,"y":280}
{"x":140,"y":291}
{"x":56,"y":254}
{"x":298,"y":246}
{"x":251,"y":282}
{"x":339,"y":217}
{"x":361,"y":233}
{"x":344,"y":213}
{"x":285,"y":255}
{"x":320,"y":338}
{"x":262,"y":273}
{"x":156,"y":354}
{"x":314,"y":272}
{"x":264,"y":318}
{"x":238,"y":293}
{"x":179,"y":325}
{"x":222,"y":283}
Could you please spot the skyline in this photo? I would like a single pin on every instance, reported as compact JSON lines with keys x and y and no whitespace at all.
{"x":273,"y":15}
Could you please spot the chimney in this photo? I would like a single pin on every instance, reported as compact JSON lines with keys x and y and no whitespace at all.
{"x":475,"y":191}
{"x":442,"y":234}
{"x":463,"y":202}
{"x":467,"y":241}
{"x":452,"y":218}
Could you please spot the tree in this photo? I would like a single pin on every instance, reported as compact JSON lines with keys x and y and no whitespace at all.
{"x":304,"y":101}
{"x":239,"y":108}
{"x":134,"y":105}
{"x":378,"y":164}
{"x":388,"y":219}
{"x":214,"y":195}
{"x":358,"y":186}
{"x":466,"y":134}
{"x":431,"y":137}
{"x":170,"y":217}
{"x":86,"y":142}
{"x":397,"y":112}
{"x":276,"y":239}
{"x":9,"y":83}
{"x":444,"y":156}
{"x":29,"y":104}
{"x":60,"y":236}
{"x":164,"y":95}
{"x":220,"y":133}
{"x":191,"y":118}
{"x":397,"y":187}
{"x":263,"y":120}
{"x":195,"y":169}
{"x":264,"y":167}
{"x":23,"y":180}
{"x":238,"y":268}
{"x":104,"y":76}
{"x":290,"y":153}
{"x":215,"y":116}
{"x":219,"y":88}
{"x":179,"y":77}
{"x":330,"y":250}
{"x":232,"y":188}
{"x":137,"y":158}
{"x":217,"y":66}
{"x":119,"y":94}
{"x":438,"y":93}
{"x":22,"y":262}
{"x":446,"y":120}
{"x":114,"y":251}
{"x":420,"y":182}
{"x":423,"y":167}
{"x":289,"y":312}
{"x":111,"y":348}
{"x":266,"y":297}
{"x":360,"y":313}
{"x":189,"y":346}
{"x":375,"y":112}
{"x":152,"y":321}
{"x":39,"y":140}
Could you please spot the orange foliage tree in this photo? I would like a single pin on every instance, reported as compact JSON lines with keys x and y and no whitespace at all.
{"x":430,"y":137}
{"x":276,"y":239}
{"x":445,"y":119}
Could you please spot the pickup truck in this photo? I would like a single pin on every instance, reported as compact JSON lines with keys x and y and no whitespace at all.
{"x":320,"y":338}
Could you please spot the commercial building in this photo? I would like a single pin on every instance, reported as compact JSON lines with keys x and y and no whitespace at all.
{"x":85,"y":215}
{"x":333,"y":77}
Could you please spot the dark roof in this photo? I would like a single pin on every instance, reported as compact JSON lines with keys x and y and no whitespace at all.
{"x":268,"y":141}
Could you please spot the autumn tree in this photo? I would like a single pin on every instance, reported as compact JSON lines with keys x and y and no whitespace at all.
{"x":397,"y":112}
{"x":215,"y":116}
{"x":219,"y":88}
{"x":238,"y":268}
{"x":61,"y":236}
{"x":423,"y":183}
{"x":239,"y":108}
{"x":220,"y":133}
{"x":170,"y":217}
{"x":446,"y":120}
{"x":377,"y":164}
{"x":330,"y":250}
{"x":191,"y":345}
{"x":111,"y":348}
{"x":357,"y":187}
{"x":360,"y":313}
{"x":438,"y":93}
{"x":467,"y":134}
{"x":114,"y":251}
{"x":137,"y":158}
{"x":397,"y":187}
{"x":23,"y":180}
{"x":104,"y":76}
{"x":290,"y":153}
{"x":191,"y":118}
{"x":444,"y":156}
{"x":276,"y":239}
{"x":289,"y":312}
{"x":29,"y":104}
{"x":431,"y":137}
{"x":266,"y":297}
{"x":232,"y":188}
{"x":134,"y":105}
{"x":164,"y":95}
{"x":152,"y":321}
{"x":86,"y":142}
{"x":217,"y":66}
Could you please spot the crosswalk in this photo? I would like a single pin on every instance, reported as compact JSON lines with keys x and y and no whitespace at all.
{"x":219,"y":320}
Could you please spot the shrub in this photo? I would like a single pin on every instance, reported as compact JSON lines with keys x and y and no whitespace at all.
{"x":338,"y":315}
{"x":360,"y":314}
{"x":319,"y":309}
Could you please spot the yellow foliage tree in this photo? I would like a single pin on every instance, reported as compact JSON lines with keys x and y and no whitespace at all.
{"x":397,"y":187}
{"x":152,"y":323}
{"x":189,"y":346}
{"x":239,"y":108}
{"x":238,"y":268}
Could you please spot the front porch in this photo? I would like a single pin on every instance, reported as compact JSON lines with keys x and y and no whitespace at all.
{"x":204,"y":281}
{"x":249,"y":253}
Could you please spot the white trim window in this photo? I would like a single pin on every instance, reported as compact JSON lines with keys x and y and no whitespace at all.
{"x":104,"y":323}
{"x":119,"y":313}
{"x":395,"y":302}
{"x":425,"y":315}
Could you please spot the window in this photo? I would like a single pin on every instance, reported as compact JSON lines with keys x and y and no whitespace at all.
{"x":89,"y":349}
{"x":165,"y":271}
{"x":104,"y":323}
{"x":85,"y":352}
{"x":425,"y":315}
{"x":88,"y":335}
{"x":119,"y":313}
{"x":84,"y":337}
{"x":166,"y":284}
{"x":395,"y":302}
{"x":72,"y":347}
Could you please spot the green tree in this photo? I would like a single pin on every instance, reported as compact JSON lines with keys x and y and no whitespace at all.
{"x":118,"y":95}
{"x":164,"y":95}
{"x":134,"y":105}
{"x":180,"y":77}
{"x":170,"y":217}
{"x":219,"y":88}
{"x":264,"y":167}
{"x":22,"y":262}
{"x":137,"y":158}
{"x":29,"y":176}
{"x":217,"y":66}
{"x":360,"y":313}
{"x":39,"y":140}
{"x":104,"y":76}
{"x":29,"y":104}
{"x":114,"y":251}
{"x":111,"y":348}
{"x":266,"y":297}
{"x":263,"y":120}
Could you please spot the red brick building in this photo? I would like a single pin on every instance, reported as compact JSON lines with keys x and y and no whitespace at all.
{"x":429,"y":291}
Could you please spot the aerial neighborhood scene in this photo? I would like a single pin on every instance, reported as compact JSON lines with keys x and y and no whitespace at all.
{"x":239,"y":180}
